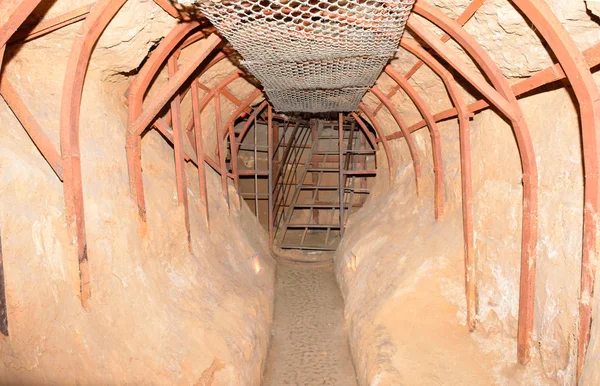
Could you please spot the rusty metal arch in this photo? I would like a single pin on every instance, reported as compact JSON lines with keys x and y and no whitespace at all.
{"x":528,"y":162}
{"x":438,"y":165}
{"x":145,"y":118}
{"x":578,"y":74}
{"x":15,"y":19}
{"x":465,"y":167}
{"x":228,"y":130}
{"x":100,"y":15}
{"x":248,"y":123}
{"x":464,"y":17}
{"x":412,"y":148}
{"x":365,"y":131}
{"x":138,"y":88}
{"x":388,"y":152}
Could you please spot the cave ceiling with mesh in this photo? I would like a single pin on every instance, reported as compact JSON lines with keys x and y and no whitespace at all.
{"x":310,"y":55}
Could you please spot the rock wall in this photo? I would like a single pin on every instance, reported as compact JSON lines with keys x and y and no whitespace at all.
{"x":160,"y":312}
{"x":405,"y":301}
{"x":402,"y":272}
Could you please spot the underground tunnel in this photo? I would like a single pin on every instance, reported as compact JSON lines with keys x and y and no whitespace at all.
{"x":299,"y":192}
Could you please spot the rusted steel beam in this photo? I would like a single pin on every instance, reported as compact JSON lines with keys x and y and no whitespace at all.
{"x":200,"y":150}
{"x":286,"y":152}
{"x":182,"y":196}
{"x":214,"y":166}
{"x":528,"y":162}
{"x":169,"y":8}
{"x":577,"y":72}
{"x":365,"y":130}
{"x":248,"y":123}
{"x":465,"y":168}
{"x":412,"y":148}
{"x":276,"y":163}
{"x":462,"y":20}
{"x":253,"y":172}
{"x":16,"y":17}
{"x":242,"y":107}
{"x":193,"y":38}
{"x":227,"y":94}
{"x":27,"y":33}
{"x":224,"y":91}
{"x":232,"y":139}
{"x":255,"y":166}
{"x":81,"y":51}
{"x":137,"y":90}
{"x":438,"y":167}
{"x":216,"y":59}
{"x":209,"y":97}
{"x":221,"y":147}
{"x":368,"y":135}
{"x":174,"y":84}
{"x":270,"y":170}
{"x":234,"y":165}
{"x":3,"y":305}
{"x":163,"y":128}
{"x":31,"y":126}
{"x":461,"y":67}
{"x":341,"y":190}
{"x":540,"y":79}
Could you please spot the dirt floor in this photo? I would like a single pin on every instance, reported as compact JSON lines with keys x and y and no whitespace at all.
{"x":309,"y":345}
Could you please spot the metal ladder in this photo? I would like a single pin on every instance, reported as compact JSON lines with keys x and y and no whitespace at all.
{"x":325,"y":231}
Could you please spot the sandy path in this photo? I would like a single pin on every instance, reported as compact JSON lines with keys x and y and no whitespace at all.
{"x":309,"y":345}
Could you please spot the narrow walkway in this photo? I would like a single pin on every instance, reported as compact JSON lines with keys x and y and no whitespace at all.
{"x":309,"y":345}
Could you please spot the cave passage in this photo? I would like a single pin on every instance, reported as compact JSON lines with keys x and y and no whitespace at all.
{"x":309,"y":343}
{"x":341,"y":192}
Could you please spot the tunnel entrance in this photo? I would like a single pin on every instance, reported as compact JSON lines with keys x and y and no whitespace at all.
{"x":319,"y":174}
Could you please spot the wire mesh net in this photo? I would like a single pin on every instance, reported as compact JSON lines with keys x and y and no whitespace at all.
{"x":317,"y":101}
{"x":311,"y":44}
{"x":318,"y":74}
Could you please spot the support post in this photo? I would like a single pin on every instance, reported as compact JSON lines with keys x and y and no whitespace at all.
{"x":182,"y":196}
{"x":270,"y":167}
{"x":341,"y":168}
{"x":221,"y":148}
{"x":200,"y":151}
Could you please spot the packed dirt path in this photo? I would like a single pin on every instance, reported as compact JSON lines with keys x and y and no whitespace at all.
{"x":309,"y":345}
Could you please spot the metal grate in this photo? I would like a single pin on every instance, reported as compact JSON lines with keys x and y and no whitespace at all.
{"x":316,"y":101}
{"x":311,"y":44}
{"x":318,"y":74}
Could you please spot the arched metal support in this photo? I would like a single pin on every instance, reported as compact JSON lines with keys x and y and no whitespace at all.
{"x":528,"y":162}
{"x":248,"y":123}
{"x":81,"y":51}
{"x":465,"y":168}
{"x":365,"y":130}
{"x":534,"y":83}
{"x":148,"y":115}
{"x":137,"y":90}
{"x":229,"y":132}
{"x":462,"y":20}
{"x":412,"y":148}
{"x":199,"y":147}
{"x":14,"y":21}
{"x":178,"y":149}
{"x":574,"y":65}
{"x":438,"y":165}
